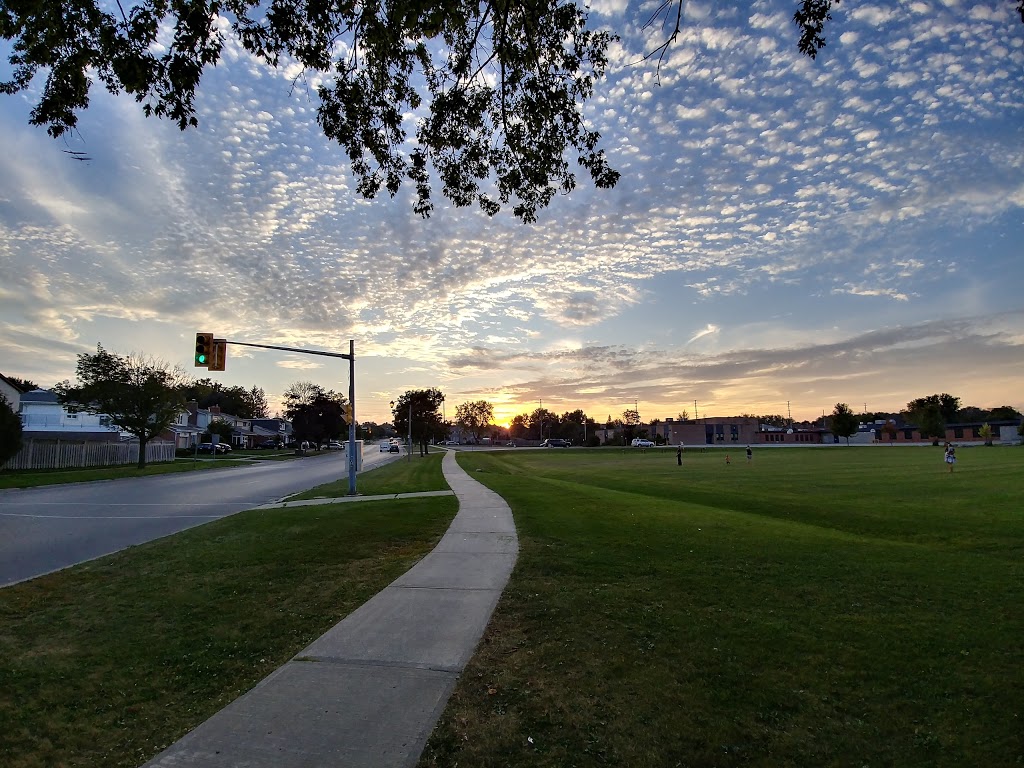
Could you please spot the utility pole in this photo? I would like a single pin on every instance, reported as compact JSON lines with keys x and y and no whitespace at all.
{"x":352,"y":420}
{"x":410,"y":428}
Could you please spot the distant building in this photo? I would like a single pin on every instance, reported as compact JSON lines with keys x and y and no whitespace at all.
{"x":44,"y":418}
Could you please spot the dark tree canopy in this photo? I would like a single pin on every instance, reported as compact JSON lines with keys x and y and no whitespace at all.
{"x":497,"y":87}
{"x":10,"y":431}
{"x":238,"y":401}
{"x":931,"y":414}
{"x":945,"y":404}
{"x":223,"y":429}
{"x":316,"y":414}
{"x":427,"y":420}
{"x":141,"y":395}
{"x":844,"y":422}
{"x":475,"y":416}
{"x":25,"y":385}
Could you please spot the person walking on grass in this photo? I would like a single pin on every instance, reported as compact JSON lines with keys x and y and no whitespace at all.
{"x":950,"y":456}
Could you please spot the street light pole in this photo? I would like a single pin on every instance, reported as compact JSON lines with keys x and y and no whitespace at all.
{"x":410,"y":429}
{"x":352,"y":420}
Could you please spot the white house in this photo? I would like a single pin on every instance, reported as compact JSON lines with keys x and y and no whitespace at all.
{"x":43,"y":417}
{"x":11,"y":391}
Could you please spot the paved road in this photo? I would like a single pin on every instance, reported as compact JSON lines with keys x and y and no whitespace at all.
{"x":49,"y":528}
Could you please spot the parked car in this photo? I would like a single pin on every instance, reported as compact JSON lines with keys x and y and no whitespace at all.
{"x":211,"y":448}
{"x":511,"y":443}
{"x":271,"y":444}
{"x":554,"y":442}
{"x":642,"y":442}
{"x":332,"y":445}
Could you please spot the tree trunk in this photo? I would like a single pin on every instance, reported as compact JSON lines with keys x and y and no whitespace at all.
{"x":142,"y":452}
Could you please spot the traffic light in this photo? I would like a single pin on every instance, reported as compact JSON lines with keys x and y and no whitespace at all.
{"x":204,"y":346}
{"x":218,"y":355}
{"x":348,"y":413}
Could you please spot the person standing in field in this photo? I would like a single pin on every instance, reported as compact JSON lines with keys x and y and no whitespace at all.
{"x":750,"y":455}
{"x":950,"y":456}
{"x":679,"y":455}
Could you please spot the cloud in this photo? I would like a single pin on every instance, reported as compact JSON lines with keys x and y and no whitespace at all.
{"x":871,"y":182}
{"x":708,"y":330}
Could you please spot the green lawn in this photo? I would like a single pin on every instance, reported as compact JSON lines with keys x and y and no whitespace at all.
{"x":816,"y":607}
{"x":106,"y":663}
{"x":420,"y":473}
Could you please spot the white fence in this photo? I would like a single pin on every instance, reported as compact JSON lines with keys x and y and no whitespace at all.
{"x":67,"y":454}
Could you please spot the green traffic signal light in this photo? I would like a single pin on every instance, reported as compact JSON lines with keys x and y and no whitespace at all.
{"x":204,"y":341}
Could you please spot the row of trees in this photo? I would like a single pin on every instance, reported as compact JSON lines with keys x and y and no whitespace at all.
{"x":238,"y":401}
{"x":930,"y":415}
{"x":541,"y":424}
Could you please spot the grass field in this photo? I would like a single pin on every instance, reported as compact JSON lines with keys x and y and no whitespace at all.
{"x":105,"y":663}
{"x":422,"y":473}
{"x":816,"y":607}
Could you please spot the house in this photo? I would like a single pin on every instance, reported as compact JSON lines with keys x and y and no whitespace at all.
{"x":11,"y":392}
{"x":183,"y":433}
{"x":43,"y":417}
{"x":281,"y":429}
{"x":194,"y":422}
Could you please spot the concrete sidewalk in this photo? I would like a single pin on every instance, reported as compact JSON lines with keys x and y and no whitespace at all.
{"x":369,"y":691}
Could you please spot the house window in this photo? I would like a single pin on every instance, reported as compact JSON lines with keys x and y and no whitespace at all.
{"x":72,"y":415}
{"x":908,"y":434}
{"x":734,"y":432}
{"x":104,"y":420}
{"x":975,"y":431}
{"x":958,"y":432}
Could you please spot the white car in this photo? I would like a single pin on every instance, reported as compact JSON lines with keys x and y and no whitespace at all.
{"x":385,"y":446}
{"x":641,"y":442}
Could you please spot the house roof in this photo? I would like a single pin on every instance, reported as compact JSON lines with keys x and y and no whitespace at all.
{"x":39,"y":396}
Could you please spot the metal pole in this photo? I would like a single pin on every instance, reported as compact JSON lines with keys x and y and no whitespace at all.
{"x":352,"y":421}
{"x":410,"y":428}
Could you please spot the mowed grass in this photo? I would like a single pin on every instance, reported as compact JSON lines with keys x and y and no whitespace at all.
{"x":817,"y":607}
{"x":404,"y":475}
{"x":106,"y":663}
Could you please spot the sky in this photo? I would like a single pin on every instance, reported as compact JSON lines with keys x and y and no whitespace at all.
{"x":787,"y":234}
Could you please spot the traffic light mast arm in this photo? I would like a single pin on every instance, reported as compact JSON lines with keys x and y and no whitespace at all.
{"x":290,"y":349}
{"x":351,"y":357}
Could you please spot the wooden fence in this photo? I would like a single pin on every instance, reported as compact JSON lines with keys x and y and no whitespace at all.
{"x":67,"y":454}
